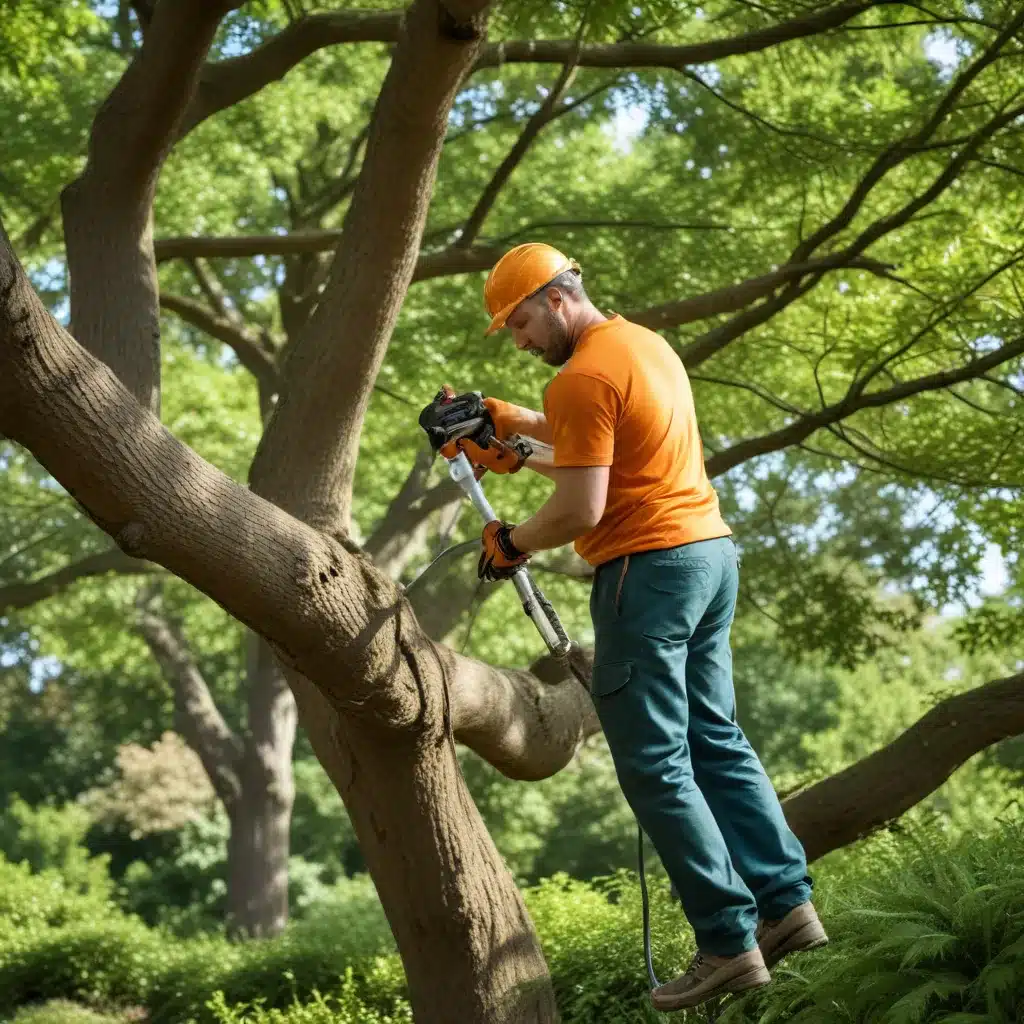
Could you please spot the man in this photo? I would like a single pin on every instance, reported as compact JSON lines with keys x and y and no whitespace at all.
{"x":631,"y":492}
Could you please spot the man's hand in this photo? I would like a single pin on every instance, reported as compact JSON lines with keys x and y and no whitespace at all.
{"x":504,"y":415}
{"x":500,"y":557}
{"x":497,"y":460}
{"x":511,"y":419}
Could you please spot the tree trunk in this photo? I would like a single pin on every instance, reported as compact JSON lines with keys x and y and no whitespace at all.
{"x":468,"y":946}
{"x":258,"y":846}
{"x":108,"y":229}
{"x":258,"y":849}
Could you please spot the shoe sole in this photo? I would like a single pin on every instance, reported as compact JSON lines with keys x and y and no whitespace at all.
{"x":803,"y":940}
{"x":756,"y":977}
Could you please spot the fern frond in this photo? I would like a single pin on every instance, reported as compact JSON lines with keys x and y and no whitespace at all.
{"x":911,"y":1008}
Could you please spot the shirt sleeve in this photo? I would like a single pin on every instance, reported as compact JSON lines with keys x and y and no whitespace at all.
{"x":582,"y":412}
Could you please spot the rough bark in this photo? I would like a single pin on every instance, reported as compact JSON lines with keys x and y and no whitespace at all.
{"x":159,"y":501}
{"x":108,"y":209}
{"x":468,"y":945}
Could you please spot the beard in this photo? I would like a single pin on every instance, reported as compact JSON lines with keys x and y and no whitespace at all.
{"x":559,"y":343}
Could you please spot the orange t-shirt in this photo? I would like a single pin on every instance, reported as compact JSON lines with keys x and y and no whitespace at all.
{"x":623,"y":400}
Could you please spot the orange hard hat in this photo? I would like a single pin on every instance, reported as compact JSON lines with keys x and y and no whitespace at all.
{"x":520,"y":273}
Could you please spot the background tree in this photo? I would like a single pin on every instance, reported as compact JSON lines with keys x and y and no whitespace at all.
{"x":875,"y":157}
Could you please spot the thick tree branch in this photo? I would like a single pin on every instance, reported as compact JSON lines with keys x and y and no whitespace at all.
{"x":228,"y":82}
{"x":854,"y":401}
{"x":527,"y":728}
{"x":656,"y":55}
{"x":306,"y":463}
{"x":432,"y":264}
{"x":107,"y":210}
{"x":246,"y":344}
{"x":197,"y":717}
{"x":879,"y":788}
{"x":21,"y":595}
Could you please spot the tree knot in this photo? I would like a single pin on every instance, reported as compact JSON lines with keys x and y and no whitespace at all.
{"x":459,"y":30}
{"x":129,"y":538}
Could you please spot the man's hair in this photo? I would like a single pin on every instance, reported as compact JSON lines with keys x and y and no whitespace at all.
{"x":570,"y":282}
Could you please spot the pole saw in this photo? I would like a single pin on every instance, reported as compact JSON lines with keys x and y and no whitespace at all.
{"x":452,"y":418}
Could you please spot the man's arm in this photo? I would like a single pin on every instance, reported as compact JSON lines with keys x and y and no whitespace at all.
{"x":534,"y":424}
{"x":575,"y":508}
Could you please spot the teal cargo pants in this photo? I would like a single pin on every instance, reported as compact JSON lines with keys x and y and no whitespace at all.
{"x":662,"y":686}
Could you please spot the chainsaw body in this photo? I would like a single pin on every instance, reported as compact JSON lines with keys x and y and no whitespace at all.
{"x":451,"y":419}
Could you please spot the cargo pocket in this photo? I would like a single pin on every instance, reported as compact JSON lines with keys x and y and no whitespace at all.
{"x":610,"y":677}
{"x":680,"y":576}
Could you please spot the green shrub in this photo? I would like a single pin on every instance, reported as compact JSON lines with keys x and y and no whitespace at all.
{"x":347,"y":928}
{"x":922,"y":933}
{"x":46,"y":898}
{"x":47,"y":837}
{"x":592,"y":937}
{"x":60,"y":1011}
{"x":108,"y":962}
{"x":347,"y":1006}
{"x":939,"y":941}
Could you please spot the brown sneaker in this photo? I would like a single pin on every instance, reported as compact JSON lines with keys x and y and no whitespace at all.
{"x":798,"y":931}
{"x":709,"y":977}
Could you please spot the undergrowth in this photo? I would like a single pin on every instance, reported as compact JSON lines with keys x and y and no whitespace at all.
{"x":922,"y":932}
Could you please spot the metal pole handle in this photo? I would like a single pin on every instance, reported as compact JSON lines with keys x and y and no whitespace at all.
{"x":534,"y":603}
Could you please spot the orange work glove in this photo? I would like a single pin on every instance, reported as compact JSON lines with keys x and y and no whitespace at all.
{"x":500,"y":557}
{"x":506,"y":416}
{"x":497,"y":460}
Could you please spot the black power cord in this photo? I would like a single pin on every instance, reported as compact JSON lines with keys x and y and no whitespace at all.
{"x":651,"y":976}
